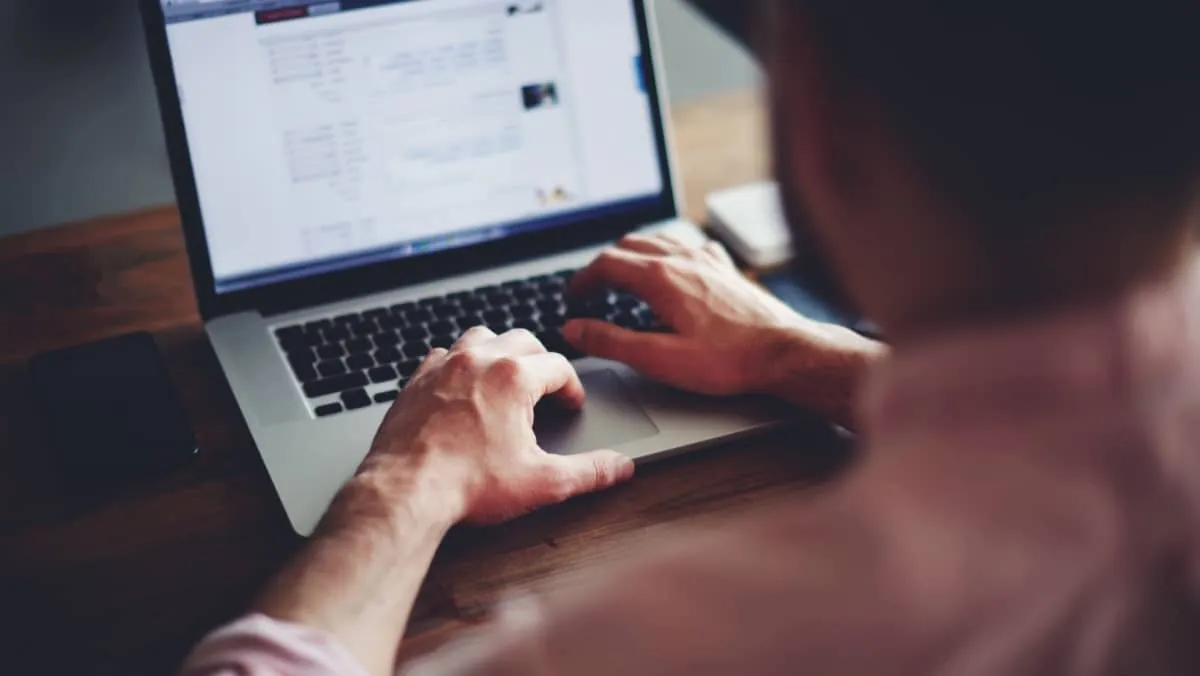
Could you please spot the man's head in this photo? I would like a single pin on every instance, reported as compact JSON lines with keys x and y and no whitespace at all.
{"x":946,"y":153}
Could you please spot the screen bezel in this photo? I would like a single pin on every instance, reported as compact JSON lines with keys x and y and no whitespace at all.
{"x":392,"y":274}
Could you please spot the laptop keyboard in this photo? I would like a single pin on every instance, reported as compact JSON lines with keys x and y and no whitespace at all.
{"x":353,"y":361}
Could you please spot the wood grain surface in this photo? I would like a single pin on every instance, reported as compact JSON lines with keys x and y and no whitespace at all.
{"x":126,"y":582}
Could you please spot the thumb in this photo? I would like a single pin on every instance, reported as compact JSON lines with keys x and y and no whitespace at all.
{"x":568,"y":476}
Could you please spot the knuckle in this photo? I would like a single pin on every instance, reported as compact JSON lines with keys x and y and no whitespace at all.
{"x":507,"y":370}
{"x":466,"y":361}
{"x":475,"y":331}
{"x":661,"y":269}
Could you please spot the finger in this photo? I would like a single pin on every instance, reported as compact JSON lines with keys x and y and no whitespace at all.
{"x":664,"y":357}
{"x":718,"y":251}
{"x":568,"y":476}
{"x":675,"y":245}
{"x":653,"y":246}
{"x":555,"y":376}
{"x":627,"y":270}
{"x":516,"y":343}
{"x":432,"y":360}
{"x":475,"y":336}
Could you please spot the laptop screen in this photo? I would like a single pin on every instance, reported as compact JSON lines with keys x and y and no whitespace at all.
{"x":327,"y":134}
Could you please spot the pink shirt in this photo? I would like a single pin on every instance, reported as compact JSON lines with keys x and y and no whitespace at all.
{"x":1027,"y":504}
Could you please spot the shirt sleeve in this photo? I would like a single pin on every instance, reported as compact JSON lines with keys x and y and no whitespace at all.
{"x":261,"y":646}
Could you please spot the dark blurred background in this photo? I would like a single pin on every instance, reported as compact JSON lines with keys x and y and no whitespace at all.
{"x":79,"y":129}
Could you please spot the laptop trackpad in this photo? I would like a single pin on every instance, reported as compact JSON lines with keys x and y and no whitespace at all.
{"x":609,"y":419}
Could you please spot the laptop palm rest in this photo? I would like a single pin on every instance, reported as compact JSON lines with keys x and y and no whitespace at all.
{"x":610,"y":418}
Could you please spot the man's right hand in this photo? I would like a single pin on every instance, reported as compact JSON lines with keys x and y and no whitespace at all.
{"x":729,"y":336}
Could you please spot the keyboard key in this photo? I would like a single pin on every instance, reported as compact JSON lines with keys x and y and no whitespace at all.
{"x":444,"y":342}
{"x":387,"y":397}
{"x":551,"y":288}
{"x":328,"y":410}
{"x":382,"y":374}
{"x":431,"y":302}
{"x":552,"y":307}
{"x":293,"y":343}
{"x":496,"y":316}
{"x":329,"y":369}
{"x":402,"y":309}
{"x":416,"y":349}
{"x":377,"y":314}
{"x":419,"y":316}
{"x":469,"y":320}
{"x":531,"y":325}
{"x":526,"y":293}
{"x":343,"y":320}
{"x":509,"y":286}
{"x":565,"y":275}
{"x":388,"y":339}
{"x":408,"y":368}
{"x":288,"y":332}
{"x":445,"y":310}
{"x":335,"y":351}
{"x":485,"y":290}
{"x":356,"y":399}
{"x":303,"y":355}
{"x":500,"y":328}
{"x":388,"y":355}
{"x":522,"y":311}
{"x":627,"y":302}
{"x":360,"y":362}
{"x":328,"y":386}
{"x":391,"y":323}
{"x":319,"y":325}
{"x":306,"y":373}
{"x":443,"y":328}
{"x":337,"y":334}
{"x":459,"y":296}
{"x":415,"y":333}
{"x":473,"y":304}
{"x":498,"y":300}
{"x":364,"y":328}
{"x":358,"y":346}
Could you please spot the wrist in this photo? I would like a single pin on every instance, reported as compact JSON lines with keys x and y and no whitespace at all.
{"x":396,"y":495}
{"x":818,"y":367}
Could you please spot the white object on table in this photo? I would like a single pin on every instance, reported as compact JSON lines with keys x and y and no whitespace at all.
{"x":749,"y":219}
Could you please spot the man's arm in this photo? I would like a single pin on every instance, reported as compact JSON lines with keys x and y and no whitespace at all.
{"x":728,"y":335}
{"x":459,"y":444}
{"x":457,"y":447}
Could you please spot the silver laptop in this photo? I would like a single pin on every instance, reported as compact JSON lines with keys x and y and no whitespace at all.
{"x":363,"y":180}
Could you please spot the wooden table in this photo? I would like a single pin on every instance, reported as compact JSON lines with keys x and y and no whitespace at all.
{"x":127,"y":582}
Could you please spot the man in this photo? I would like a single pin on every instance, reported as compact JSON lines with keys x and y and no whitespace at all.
{"x":1007,"y":189}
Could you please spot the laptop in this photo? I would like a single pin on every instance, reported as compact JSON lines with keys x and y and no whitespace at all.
{"x":360,"y":181}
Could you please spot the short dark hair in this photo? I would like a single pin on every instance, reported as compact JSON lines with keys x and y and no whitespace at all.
{"x":1027,"y":105}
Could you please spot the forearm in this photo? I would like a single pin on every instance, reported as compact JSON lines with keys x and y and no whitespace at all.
{"x":821,"y":377}
{"x":359,"y":576}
